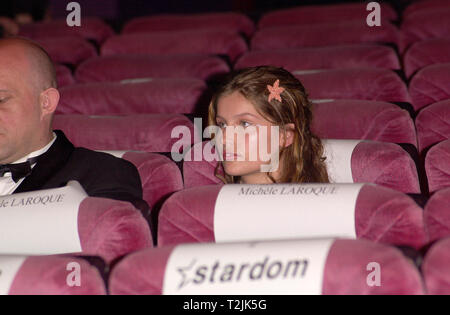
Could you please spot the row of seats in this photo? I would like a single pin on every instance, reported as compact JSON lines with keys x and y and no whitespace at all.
{"x":345,"y":270}
{"x":427,"y":87}
{"x":419,"y":24}
{"x":134,"y":101}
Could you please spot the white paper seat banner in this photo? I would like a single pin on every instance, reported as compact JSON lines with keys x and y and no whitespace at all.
{"x":41,"y":222}
{"x":281,"y":211}
{"x":9,"y":266}
{"x":258,"y":268}
{"x":338,"y":155}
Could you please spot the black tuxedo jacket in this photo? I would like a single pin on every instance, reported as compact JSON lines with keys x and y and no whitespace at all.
{"x":100,"y":174}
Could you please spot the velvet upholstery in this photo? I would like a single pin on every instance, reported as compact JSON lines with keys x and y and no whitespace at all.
{"x":345,"y":270}
{"x":69,"y":49}
{"x":384,"y":164}
{"x":208,"y":42}
{"x":424,"y":5}
{"x":148,"y":133}
{"x":106,"y":228}
{"x":123,"y":67}
{"x":430,"y":85}
{"x":367,"y":120}
{"x":237,"y":22}
{"x":160,"y":176}
{"x":382,"y":215}
{"x":64,"y":76}
{"x":47,"y":275}
{"x":360,"y":83}
{"x":332,"y":57}
{"x":150,"y":96}
{"x":111,"y":229}
{"x":435,"y":268}
{"x":437,"y":215}
{"x":91,"y":28}
{"x":325,"y":34}
{"x":433,"y":124}
{"x":426,"y":24}
{"x":437,"y":166}
{"x":317,"y":14}
{"x":426,"y":53}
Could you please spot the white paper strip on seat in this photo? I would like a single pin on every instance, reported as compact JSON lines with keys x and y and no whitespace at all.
{"x":136,"y":80}
{"x":339,"y":159}
{"x":322,"y":101}
{"x":258,"y":268}
{"x":41,"y":222}
{"x":281,"y":211}
{"x":307,"y":72}
{"x":9,"y":266}
{"x":117,"y":154}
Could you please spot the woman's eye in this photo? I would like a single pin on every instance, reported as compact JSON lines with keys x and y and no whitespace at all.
{"x":245,"y":124}
{"x":220,"y":124}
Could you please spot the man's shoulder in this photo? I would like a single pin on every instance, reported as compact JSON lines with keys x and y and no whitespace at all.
{"x":98,"y":159}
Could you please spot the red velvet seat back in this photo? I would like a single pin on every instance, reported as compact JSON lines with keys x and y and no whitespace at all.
{"x":345,"y":270}
{"x":332,"y":57}
{"x":148,"y":133}
{"x":125,"y":67}
{"x":145,"y":96}
{"x":237,"y":22}
{"x":207,"y":42}
{"x":381,"y":215}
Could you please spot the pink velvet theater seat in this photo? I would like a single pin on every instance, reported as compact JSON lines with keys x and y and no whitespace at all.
{"x":430,"y":85}
{"x":48,"y":275}
{"x":437,"y":215}
{"x":148,"y":133}
{"x":360,"y":83}
{"x":435,"y":268}
{"x":327,"y":34}
{"x":160,"y":176}
{"x":333,"y":57}
{"x":140,"y":96}
{"x":105,"y":228}
{"x":111,"y":228}
{"x":433,"y":124}
{"x":382,"y":215}
{"x":68,"y":50}
{"x":437,"y":166}
{"x":428,"y":52}
{"x":384,"y":164}
{"x":426,"y":24}
{"x":317,"y":14}
{"x":93,"y":29}
{"x":366,"y":120}
{"x":345,"y":270}
{"x":237,"y":22}
{"x":424,"y":5}
{"x":207,"y":42}
{"x":125,"y":67}
{"x":64,"y":76}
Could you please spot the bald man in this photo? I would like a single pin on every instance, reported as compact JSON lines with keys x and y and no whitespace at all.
{"x":32,"y":155}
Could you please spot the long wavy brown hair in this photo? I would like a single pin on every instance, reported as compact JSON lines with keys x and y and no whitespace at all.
{"x":302,"y":161}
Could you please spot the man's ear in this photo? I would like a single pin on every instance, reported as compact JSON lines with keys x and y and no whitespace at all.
{"x":286,"y":139}
{"x":49,"y":101}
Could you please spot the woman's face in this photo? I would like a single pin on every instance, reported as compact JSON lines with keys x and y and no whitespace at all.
{"x":246,"y":152}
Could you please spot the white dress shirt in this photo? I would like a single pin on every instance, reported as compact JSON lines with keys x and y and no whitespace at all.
{"x":7,"y":184}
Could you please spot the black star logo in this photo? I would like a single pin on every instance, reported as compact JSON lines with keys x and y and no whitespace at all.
{"x":184,"y":271}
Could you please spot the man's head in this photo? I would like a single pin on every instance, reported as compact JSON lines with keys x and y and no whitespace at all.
{"x":28,"y":98}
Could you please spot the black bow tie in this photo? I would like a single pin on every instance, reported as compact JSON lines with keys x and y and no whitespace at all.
{"x":19,"y":170}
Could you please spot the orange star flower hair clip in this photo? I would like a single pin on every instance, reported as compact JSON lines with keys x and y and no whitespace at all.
{"x":275,"y":91}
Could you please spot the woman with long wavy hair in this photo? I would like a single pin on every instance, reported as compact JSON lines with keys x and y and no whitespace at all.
{"x":264,"y":97}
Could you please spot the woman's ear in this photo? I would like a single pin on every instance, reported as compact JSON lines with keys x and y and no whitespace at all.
{"x":49,"y":101}
{"x":287,"y":138}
